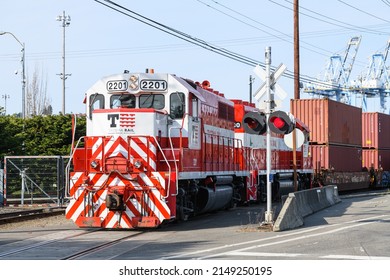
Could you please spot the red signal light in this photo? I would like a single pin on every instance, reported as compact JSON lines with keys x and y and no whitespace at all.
{"x":251,"y":123}
{"x":255,"y":123}
{"x":280,"y":122}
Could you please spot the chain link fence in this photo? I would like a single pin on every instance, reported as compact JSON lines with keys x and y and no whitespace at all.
{"x":33,"y":179}
{"x":1,"y":187}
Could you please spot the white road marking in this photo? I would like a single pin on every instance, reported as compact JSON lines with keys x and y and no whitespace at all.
{"x":347,"y":225}
{"x":300,"y":256}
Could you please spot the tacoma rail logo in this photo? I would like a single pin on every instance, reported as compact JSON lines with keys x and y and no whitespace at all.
{"x":120,"y":123}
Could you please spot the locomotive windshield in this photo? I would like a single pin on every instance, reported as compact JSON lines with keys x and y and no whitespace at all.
{"x":156,"y":101}
{"x":122,"y":101}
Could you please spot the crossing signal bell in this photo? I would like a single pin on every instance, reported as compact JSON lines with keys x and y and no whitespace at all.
{"x":281,"y":123}
{"x":255,"y":123}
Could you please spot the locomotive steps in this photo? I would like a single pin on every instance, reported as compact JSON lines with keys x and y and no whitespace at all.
{"x":303,"y":203}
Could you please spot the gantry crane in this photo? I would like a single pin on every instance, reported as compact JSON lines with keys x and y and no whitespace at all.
{"x":376,"y":83}
{"x":336,"y":77}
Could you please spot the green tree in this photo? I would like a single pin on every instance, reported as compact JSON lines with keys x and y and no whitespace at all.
{"x":38,"y":135}
{"x":11,"y":137}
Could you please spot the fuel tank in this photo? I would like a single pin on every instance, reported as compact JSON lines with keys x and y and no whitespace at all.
{"x":212,"y":199}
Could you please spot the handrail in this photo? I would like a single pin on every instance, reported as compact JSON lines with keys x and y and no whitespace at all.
{"x":219,"y":143}
{"x":67,"y":169}
{"x":174,"y":156}
{"x":169,"y":167}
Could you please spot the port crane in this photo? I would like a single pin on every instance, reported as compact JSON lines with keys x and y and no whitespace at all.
{"x":376,"y":82}
{"x":335,"y":83}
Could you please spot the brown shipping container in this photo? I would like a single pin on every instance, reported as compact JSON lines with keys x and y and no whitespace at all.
{"x":330,"y":122}
{"x":376,"y":158}
{"x":336,"y":158}
{"x":376,"y":130}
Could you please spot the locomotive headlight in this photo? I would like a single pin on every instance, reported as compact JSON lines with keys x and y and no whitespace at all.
{"x":94,"y":164}
{"x":137,"y":164}
{"x":133,"y":82}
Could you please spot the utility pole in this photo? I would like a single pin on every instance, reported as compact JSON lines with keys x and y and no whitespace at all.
{"x":296,"y":50}
{"x":296,"y":84}
{"x":65,"y":23}
{"x":5,"y":96}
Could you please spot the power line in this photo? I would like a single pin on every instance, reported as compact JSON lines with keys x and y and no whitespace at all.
{"x":196,"y":41}
{"x":362,"y":11}
{"x":49,"y":55}
{"x":246,"y":23}
{"x":338,"y":22}
{"x":176,"y":33}
{"x":386,"y":2}
{"x":262,"y":24}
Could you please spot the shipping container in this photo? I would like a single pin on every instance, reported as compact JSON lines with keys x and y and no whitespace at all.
{"x":336,"y":158}
{"x":376,"y":130}
{"x":329,"y":121}
{"x":378,"y":159}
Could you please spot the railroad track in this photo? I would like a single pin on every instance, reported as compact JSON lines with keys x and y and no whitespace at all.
{"x":60,"y":239}
{"x":35,"y":213}
{"x":100,"y":247}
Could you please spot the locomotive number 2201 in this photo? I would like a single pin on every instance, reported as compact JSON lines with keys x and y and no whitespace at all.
{"x":117,"y":85}
{"x":154,"y":85}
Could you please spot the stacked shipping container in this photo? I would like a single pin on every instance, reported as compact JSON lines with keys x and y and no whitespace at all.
{"x":376,"y":141}
{"x":344,"y":142}
{"x":335,"y":133}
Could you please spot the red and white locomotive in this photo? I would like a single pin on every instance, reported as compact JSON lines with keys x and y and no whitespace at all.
{"x":160,"y":147}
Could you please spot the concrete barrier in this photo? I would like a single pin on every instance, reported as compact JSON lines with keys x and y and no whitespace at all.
{"x":303,"y":203}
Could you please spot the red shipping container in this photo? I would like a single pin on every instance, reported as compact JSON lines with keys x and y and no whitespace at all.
{"x":336,"y":158}
{"x":376,"y":158}
{"x":329,"y":121}
{"x":376,"y":130}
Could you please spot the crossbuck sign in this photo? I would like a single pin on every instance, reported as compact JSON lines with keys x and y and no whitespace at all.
{"x":274,"y":77}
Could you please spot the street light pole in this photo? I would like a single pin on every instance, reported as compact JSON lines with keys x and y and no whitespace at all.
{"x":23,"y":62}
{"x":65,"y":23}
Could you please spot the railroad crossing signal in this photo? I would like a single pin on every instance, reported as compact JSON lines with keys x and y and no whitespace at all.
{"x":274,"y":77}
{"x":279,"y":122}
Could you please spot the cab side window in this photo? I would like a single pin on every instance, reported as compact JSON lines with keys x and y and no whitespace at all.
{"x":96,"y":101}
{"x":177,"y":105}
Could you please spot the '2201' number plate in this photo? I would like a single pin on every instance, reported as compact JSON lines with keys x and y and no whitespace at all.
{"x":117,"y":85}
{"x":154,"y":85}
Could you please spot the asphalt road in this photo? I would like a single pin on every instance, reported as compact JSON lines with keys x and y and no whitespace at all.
{"x":358,"y":228}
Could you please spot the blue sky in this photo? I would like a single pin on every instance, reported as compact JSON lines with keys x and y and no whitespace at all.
{"x":100,"y":42}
